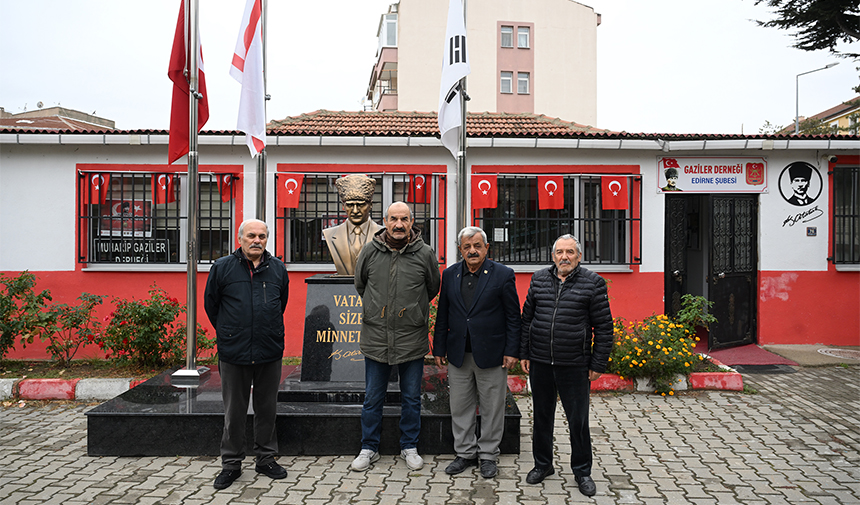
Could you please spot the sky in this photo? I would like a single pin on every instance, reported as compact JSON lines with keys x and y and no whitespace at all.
{"x":663,"y":66}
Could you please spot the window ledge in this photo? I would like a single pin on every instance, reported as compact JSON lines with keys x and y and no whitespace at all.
{"x":593,"y":267}
{"x":843,"y":267}
{"x":141,"y":267}
{"x":311,"y":267}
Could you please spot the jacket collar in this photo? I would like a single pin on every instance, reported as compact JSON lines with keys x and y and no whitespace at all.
{"x":241,"y":256}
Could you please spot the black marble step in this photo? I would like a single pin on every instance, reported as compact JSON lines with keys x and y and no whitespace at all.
{"x":158,"y":418}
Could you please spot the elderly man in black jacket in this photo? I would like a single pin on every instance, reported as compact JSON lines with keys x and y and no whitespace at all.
{"x":566,"y":341}
{"x":246,"y":294}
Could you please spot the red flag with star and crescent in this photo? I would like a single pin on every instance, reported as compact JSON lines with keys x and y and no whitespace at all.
{"x":613,"y":190}
{"x":485,"y":193}
{"x":419,"y":189}
{"x":225,"y":187}
{"x":289,"y":189}
{"x":163,"y":190}
{"x":99,"y":187}
{"x":550,"y":192}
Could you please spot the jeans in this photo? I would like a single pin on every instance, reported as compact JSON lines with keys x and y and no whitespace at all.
{"x":571,"y":384}
{"x":376,"y":376}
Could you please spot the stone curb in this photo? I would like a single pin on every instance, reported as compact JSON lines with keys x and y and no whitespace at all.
{"x":105,"y":389}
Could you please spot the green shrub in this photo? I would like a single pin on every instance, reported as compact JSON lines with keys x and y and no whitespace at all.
{"x":21,"y":310}
{"x":68,"y":327}
{"x":147,"y":332}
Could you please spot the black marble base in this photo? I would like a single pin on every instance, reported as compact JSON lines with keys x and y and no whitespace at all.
{"x":157,"y":418}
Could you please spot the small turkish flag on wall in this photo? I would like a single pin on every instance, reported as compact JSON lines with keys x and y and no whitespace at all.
{"x":614,"y":192}
{"x":485,"y":193}
{"x":289,"y":189}
{"x":225,"y":187}
{"x":99,"y":188}
{"x":550,"y":192}
{"x":163,"y":189}
{"x":419,"y":189}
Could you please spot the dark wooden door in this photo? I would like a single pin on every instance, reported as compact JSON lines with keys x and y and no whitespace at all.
{"x":733,"y":269}
{"x":675,"y":262}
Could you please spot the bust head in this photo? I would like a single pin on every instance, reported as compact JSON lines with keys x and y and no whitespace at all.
{"x":356,"y":194}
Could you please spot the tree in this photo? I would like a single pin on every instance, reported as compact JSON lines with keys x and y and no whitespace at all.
{"x":820,"y":24}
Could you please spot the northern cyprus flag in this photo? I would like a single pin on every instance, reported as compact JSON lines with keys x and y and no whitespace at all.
{"x":455,"y":66}
{"x":247,"y":68}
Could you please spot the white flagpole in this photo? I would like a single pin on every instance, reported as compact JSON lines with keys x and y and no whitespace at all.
{"x":462,"y":172}
{"x":261,"y":158}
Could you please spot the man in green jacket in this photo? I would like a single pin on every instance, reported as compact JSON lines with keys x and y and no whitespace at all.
{"x":396,"y":276}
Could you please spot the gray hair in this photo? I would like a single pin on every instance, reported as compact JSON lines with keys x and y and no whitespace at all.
{"x":469,"y":232}
{"x":568,"y":236}
{"x":249,"y":221}
{"x":385,"y":214}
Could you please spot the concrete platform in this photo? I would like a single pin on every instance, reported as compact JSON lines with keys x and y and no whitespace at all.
{"x":817,"y":354}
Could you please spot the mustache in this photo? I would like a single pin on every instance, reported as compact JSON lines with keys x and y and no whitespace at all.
{"x":255,"y":246}
{"x":398,"y":229}
{"x":473,"y":255}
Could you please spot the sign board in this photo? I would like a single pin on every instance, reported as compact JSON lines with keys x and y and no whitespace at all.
{"x":711,"y":174}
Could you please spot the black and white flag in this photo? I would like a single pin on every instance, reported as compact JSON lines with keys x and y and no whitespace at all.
{"x":455,"y":66}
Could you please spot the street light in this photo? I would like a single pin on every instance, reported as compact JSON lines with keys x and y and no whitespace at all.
{"x":797,"y":95}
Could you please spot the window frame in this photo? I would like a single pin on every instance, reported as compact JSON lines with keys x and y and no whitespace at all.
{"x":534,"y":221}
{"x":527,"y":81}
{"x":509,"y":80}
{"x":523,"y":30}
{"x":845,"y":216}
{"x":167,"y":222}
{"x":394,"y":186}
{"x":510,"y":33}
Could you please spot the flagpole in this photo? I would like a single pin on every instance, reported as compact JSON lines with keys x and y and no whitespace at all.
{"x":462,"y":175}
{"x":261,"y":158}
{"x":192,"y":54}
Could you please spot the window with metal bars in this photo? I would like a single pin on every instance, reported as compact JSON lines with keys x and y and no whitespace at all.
{"x":522,"y":233}
{"x":122,"y":219}
{"x":846,"y":215}
{"x":299,"y":231}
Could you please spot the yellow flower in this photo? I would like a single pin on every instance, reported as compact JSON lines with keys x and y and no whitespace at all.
{"x":650,"y":342}
{"x":671,"y":392}
{"x":634,"y":362}
{"x":658,"y":346}
{"x":686,"y":364}
{"x":635,"y":339}
{"x":664,"y":394}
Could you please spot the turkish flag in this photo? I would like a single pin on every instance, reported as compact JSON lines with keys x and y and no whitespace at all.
{"x":99,"y":188}
{"x":247,"y":68}
{"x":550,"y":192}
{"x":419,"y":189}
{"x":163,"y":190}
{"x":613,"y":189}
{"x":225,"y":187}
{"x":485,"y":193}
{"x":289,"y":189}
{"x":179,"y":127}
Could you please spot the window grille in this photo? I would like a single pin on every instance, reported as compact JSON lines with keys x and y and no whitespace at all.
{"x":846,"y":215}
{"x":134,"y":225}
{"x":522,"y":233}
{"x":299,"y":231}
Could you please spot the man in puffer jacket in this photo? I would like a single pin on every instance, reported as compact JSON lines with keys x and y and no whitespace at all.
{"x":566,"y":341}
{"x":396,"y":276}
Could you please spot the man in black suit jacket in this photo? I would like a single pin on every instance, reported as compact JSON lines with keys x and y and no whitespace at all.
{"x":478,"y":329}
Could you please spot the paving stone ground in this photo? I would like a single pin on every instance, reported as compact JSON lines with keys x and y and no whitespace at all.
{"x":796,"y":441}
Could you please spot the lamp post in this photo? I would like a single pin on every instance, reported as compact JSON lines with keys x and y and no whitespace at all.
{"x":797,"y":95}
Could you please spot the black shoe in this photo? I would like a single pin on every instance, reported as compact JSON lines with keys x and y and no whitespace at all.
{"x":586,"y":485}
{"x":272,"y":470}
{"x":226,"y":477}
{"x":537,"y":475}
{"x":459,"y":465}
{"x":488,"y":468}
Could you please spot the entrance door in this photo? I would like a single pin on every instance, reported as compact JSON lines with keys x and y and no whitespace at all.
{"x":732,"y":271}
{"x":711,"y":244}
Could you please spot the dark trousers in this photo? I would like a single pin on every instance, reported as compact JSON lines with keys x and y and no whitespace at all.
{"x":236,"y":382}
{"x":571,"y":384}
